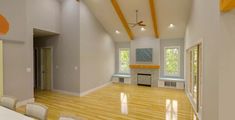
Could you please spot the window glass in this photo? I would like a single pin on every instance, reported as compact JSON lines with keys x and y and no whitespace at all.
{"x":124,"y":60}
{"x":172,"y":61}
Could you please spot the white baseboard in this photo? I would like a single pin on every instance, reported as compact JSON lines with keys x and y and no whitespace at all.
{"x":66,"y":92}
{"x":24,"y":102}
{"x":83,"y":93}
{"x":94,"y":89}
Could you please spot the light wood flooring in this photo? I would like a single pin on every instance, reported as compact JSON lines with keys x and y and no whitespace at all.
{"x":119,"y":102}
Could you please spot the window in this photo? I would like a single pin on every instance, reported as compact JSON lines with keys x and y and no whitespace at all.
{"x":172,"y":61}
{"x":195,"y":67}
{"x":124,"y":60}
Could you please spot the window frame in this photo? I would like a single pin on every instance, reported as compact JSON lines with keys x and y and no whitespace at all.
{"x":119,"y":61}
{"x":179,"y":62}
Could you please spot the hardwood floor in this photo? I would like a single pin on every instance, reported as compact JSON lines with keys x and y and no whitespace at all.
{"x":120,"y":102}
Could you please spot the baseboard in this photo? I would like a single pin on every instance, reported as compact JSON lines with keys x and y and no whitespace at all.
{"x":66,"y":92}
{"x":94,"y":89}
{"x":24,"y":102}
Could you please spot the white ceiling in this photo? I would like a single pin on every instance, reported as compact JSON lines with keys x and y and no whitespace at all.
{"x":168,"y":12}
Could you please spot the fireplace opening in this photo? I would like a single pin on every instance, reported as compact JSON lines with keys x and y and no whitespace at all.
{"x":144,"y":79}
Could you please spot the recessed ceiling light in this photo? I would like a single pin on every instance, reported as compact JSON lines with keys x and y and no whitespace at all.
{"x":143,"y":29}
{"x":171,"y":26}
{"x":117,"y":32}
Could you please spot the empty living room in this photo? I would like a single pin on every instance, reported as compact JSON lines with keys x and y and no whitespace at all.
{"x":117,"y":59}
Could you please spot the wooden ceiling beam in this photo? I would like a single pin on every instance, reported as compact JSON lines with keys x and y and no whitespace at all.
{"x":122,"y":18}
{"x":227,"y":5}
{"x":154,"y":17}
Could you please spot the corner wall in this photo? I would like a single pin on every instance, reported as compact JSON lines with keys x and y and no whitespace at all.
{"x":204,"y":24}
{"x":97,"y":52}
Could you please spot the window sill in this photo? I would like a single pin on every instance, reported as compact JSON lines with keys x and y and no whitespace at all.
{"x":172,"y":79}
{"x":124,"y":75}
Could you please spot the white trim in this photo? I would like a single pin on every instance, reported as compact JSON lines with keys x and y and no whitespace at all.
{"x":94,"y":89}
{"x":179,"y":61}
{"x":25,"y":102}
{"x":66,"y":92}
{"x":187,"y":89}
{"x":199,"y":116}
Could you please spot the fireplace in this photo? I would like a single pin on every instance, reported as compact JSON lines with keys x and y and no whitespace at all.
{"x":144,"y":79}
{"x":144,"y":74}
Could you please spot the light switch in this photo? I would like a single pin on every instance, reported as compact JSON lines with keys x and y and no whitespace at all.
{"x":76,"y":68}
{"x":28,"y":70}
{"x":57,"y":67}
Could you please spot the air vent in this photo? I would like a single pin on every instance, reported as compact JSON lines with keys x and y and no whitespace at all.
{"x":121,"y":80}
{"x":170,"y":84}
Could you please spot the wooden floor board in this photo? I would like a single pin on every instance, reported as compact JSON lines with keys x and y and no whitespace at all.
{"x":119,"y":102}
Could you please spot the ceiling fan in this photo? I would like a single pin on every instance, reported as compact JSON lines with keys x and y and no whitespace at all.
{"x":138,"y":23}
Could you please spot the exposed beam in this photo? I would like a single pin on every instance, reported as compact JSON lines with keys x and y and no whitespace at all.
{"x":122,"y":18}
{"x":227,"y":5}
{"x":154,"y":17}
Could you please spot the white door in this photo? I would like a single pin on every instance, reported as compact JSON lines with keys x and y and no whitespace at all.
{"x":46,"y":68}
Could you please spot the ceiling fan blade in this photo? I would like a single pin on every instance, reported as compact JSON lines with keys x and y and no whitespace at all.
{"x":140,"y":22}
{"x":142,"y":25}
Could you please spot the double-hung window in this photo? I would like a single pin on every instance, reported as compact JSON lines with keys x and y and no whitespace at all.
{"x":172,"y":61}
{"x":124,"y":60}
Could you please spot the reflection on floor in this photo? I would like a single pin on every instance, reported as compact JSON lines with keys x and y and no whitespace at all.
{"x":120,"y":102}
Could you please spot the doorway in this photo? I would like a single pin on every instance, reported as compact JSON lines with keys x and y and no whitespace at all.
{"x":43,"y":68}
{"x":43,"y":59}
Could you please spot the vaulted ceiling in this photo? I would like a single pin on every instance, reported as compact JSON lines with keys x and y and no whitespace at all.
{"x":166,"y":12}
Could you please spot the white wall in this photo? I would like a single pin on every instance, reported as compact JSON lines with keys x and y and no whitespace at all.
{"x":146,"y":42}
{"x":97,"y":52}
{"x":204,"y":24}
{"x":227,"y":57}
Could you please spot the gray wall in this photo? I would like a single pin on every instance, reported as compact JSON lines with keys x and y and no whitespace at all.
{"x":45,"y":14}
{"x":17,"y":56}
{"x":146,"y":42}
{"x":167,"y":43}
{"x":67,"y":48}
{"x":97,"y":52}
{"x":119,"y":45}
{"x":66,"y":72}
{"x":204,"y":24}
